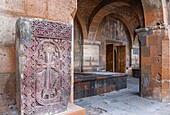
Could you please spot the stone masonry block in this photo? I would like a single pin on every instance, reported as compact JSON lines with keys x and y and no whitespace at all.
{"x":146,"y":69}
{"x":146,"y":60}
{"x":7,"y":30}
{"x":61,"y":10}
{"x":156,"y":69}
{"x":103,"y":12}
{"x":165,"y":51}
{"x":3,"y":109}
{"x":154,"y":50}
{"x":8,"y":85}
{"x":6,"y":77}
{"x":36,"y":8}
{"x":7,"y":91}
{"x":7,"y":59}
{"x":13,"y":5}
{"x":149,"y":16}
{"x":145,"y":51}
{"x":155,"y":39}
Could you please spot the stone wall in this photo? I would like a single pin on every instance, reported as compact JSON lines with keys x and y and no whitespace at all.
{"x":78,"y":41}
{"x":91,"y":84}
{"x":155,"y":52}
{"x":10,"y":11}
{"x":93,"y":52}
{"x":90,"y":56}
{"x":112,"y":31}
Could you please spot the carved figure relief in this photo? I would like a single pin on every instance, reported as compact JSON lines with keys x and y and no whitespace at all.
{"x":46,"y":66}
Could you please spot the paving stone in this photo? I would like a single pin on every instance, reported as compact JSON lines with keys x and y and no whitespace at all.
{"x":160,"y":113}
{"x":126,"y":102}
{"x":83,"y":103}
{"x":105,"y":114}
{"x":136,"y":101}
{"x":123,"y":97}
{"x":166,"y":108}
{"x":120,"y":112}
{"x":155,"y":105}
{"x":93,"y":110}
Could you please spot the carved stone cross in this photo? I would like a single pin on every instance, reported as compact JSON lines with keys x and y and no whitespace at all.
{"x":43,"y":66}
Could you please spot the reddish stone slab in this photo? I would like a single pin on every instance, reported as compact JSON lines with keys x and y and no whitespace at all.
{"x":43,"y":66}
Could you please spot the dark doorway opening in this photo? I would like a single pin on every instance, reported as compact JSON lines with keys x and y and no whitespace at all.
{"x":115,"y":58}
{"x":109,"y":58}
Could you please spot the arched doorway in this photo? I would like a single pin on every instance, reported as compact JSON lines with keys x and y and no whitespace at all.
{"x":115,"y":44}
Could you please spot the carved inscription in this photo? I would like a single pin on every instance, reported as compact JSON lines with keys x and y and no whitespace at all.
{"x":45,"y":86}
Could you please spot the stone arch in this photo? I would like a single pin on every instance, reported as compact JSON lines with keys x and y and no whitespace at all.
{"x":137,"y":6}
{"x":82,"y":24}
{"x":121,"y":19}
{"x":152,"y":9}
{"x":78,"y":41}
{"x":124,"y":10}
{"x":104,"y":36}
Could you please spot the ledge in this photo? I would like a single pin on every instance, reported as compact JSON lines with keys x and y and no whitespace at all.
{"x":89,"y":76}
{"x":73,"y":109}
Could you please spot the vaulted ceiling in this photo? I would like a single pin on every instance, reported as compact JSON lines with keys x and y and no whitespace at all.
{"x":86,"y":7}
{"x":89,"y":8}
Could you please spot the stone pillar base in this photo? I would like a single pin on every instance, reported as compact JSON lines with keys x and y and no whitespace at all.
{"x":73,"y":109}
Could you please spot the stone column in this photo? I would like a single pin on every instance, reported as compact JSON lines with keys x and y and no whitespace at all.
{"x":154,"y":62}
{"x":43,"y":66}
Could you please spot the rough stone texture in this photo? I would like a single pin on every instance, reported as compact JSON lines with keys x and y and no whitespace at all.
{"x":60,"y":10}
{"x":123,"y":102}
{"x":90,"y":57}
{"x":86,"y":11}
{"x":7,"y":92}
{"x":73,"y":110}
{"x":78,"y":54}
{"x":113,"y":29}
{"x":154,"y":9}
{"x":91,"y":83}
{"x":17,"y":6}
{"x":7,"y":59}
{"x":67,"y":7}
{"x":7,"y":30}
{"x":152,"y":66}
{"x":10,"y":11}
{"x":43,"y":66}
{"x":36,"y":8}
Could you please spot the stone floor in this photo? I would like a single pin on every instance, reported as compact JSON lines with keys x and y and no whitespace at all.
{"x":123,"y":102}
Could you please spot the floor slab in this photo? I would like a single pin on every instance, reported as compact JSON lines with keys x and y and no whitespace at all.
{"x":123,"y":102}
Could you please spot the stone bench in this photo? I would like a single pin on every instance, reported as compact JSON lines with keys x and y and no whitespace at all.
{"x":95,"y":83}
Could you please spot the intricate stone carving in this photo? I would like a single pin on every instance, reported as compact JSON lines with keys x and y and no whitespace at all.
{"x":44,"y":69}
{"x":51,"y":30}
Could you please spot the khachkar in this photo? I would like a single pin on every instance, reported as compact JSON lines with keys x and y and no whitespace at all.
{"x":43,"y":66}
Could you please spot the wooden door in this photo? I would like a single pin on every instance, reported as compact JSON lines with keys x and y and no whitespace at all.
{"x":109,"y":58}
{"x":121,"y":59}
